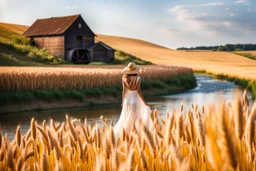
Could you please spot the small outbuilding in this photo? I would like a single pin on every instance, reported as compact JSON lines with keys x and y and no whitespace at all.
{"x":69,"y":38}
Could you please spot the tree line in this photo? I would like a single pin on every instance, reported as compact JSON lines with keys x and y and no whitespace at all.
{"x":227,"y":47}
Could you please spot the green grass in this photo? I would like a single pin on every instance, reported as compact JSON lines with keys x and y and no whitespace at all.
{"x":124,"y":58}
{"x":16,"y":50}
{"x":98,"y":63}
{"x":173,"y":85}
{"x":247,"y":55}
{"x":249,"y":84}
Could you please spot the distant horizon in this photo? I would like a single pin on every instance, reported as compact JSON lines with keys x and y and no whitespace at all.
{"x":169,"y":24}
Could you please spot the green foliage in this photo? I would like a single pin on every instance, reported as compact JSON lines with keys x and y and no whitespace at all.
{"x":8,"y":59}
{"x":180,"y":83}
{"x":97,"y":63}
{"x":239,"y":49}
{"x":247,"y":55}
{"x":113,"y":91}
{"x":187,"y":81}
{"x":222,"y":48}
{"x":227,"y":47}
{"x":124,"y":58}
{"x":92,"y":92}
{"x":250,"y":84}
{"x":22,"y":40}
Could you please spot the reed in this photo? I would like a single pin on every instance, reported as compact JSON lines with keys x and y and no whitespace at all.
{"x":13,"y":79}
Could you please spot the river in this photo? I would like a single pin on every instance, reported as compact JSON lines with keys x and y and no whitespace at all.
{"x":208,"y":90}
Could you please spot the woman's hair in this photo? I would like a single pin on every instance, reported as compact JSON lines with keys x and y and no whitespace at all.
{"x":129,"y":75}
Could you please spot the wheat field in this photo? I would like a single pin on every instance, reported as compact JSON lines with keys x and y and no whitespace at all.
{"x":55,"y":78}
{"x":253,"y":52}
{"x":213,"y":62}
{"x":210,"y":137}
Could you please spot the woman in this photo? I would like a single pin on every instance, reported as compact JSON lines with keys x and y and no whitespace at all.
{"x":134,"y":106}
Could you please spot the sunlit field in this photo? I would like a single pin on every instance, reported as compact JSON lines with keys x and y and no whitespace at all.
{"x":210,"y":137}
{"x":56,"y":78}
{"x":253,"y":52}
{"x":209,"y":61}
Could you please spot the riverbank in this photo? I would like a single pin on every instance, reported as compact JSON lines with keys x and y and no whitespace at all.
{"x":245,"y":83}
{"x":11,"y":102}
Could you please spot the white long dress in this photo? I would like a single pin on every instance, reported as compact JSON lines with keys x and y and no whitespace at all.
{"x":133,"y":110}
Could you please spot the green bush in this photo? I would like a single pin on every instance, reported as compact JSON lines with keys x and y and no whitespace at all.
{"x":111,"y":91}
{"x":18,"y":39}
{"x":93,"y":92}
{"x":124,"y":58}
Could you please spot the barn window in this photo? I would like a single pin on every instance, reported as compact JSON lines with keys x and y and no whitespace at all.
{"x":79,"y":25}
{"x":79,"y":40}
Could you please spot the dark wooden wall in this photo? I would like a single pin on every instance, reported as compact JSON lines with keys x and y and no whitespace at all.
{"x":74,"y":31}
{"x":101,"y":54}
{"x":54,"y":44}
{"x":111,"y":55}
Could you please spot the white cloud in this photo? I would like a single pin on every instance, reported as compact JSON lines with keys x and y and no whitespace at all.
{"x":226,"y":9}
{"x":226,"y":23}
{"x":213,"y":23}
{"x":192,"y":6}
{"x":240,"y":1}
{"x":212,"y":4}
{"x":191,"y":15}
{"x":71,"y":7}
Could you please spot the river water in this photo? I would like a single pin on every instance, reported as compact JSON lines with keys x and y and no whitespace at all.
{"x":208,"y":90}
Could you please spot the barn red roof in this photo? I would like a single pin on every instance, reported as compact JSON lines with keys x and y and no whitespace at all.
{"x":50,"y":26}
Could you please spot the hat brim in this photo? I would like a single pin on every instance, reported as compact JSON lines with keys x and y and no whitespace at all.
{"x":135,"y":71}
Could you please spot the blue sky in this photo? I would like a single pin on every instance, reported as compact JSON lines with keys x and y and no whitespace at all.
{"x":171,"y":23}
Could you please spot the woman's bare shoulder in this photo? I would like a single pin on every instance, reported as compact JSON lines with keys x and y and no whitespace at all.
{"x":124,"y":78}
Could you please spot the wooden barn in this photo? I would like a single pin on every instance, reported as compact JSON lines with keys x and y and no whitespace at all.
{"x":70,"y":38}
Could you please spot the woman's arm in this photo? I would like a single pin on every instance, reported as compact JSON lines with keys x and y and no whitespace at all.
{"x":124,"y":91}
{"x":140,"y":93}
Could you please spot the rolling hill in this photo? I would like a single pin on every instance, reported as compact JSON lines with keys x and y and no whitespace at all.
{"x":14,"y":27}
{"x":209,"y":61}
{"x":214,"y":62}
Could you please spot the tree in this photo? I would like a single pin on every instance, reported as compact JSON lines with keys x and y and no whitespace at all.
{"x":222,"y":48}
{"x":230,"y":47}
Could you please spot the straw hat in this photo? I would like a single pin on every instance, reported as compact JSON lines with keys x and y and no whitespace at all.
{"x":131,"y":68}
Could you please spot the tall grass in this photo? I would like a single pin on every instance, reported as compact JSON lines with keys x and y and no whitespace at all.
{"x":207,"y":138}
{"x":49,"y":78}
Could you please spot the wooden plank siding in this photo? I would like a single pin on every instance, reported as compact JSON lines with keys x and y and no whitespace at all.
{"x":73,"y":31}
{"x":101,"y":54}
{"x":54,"y":44}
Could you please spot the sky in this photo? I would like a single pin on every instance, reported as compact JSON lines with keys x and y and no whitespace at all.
{"x":170,"y":23}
